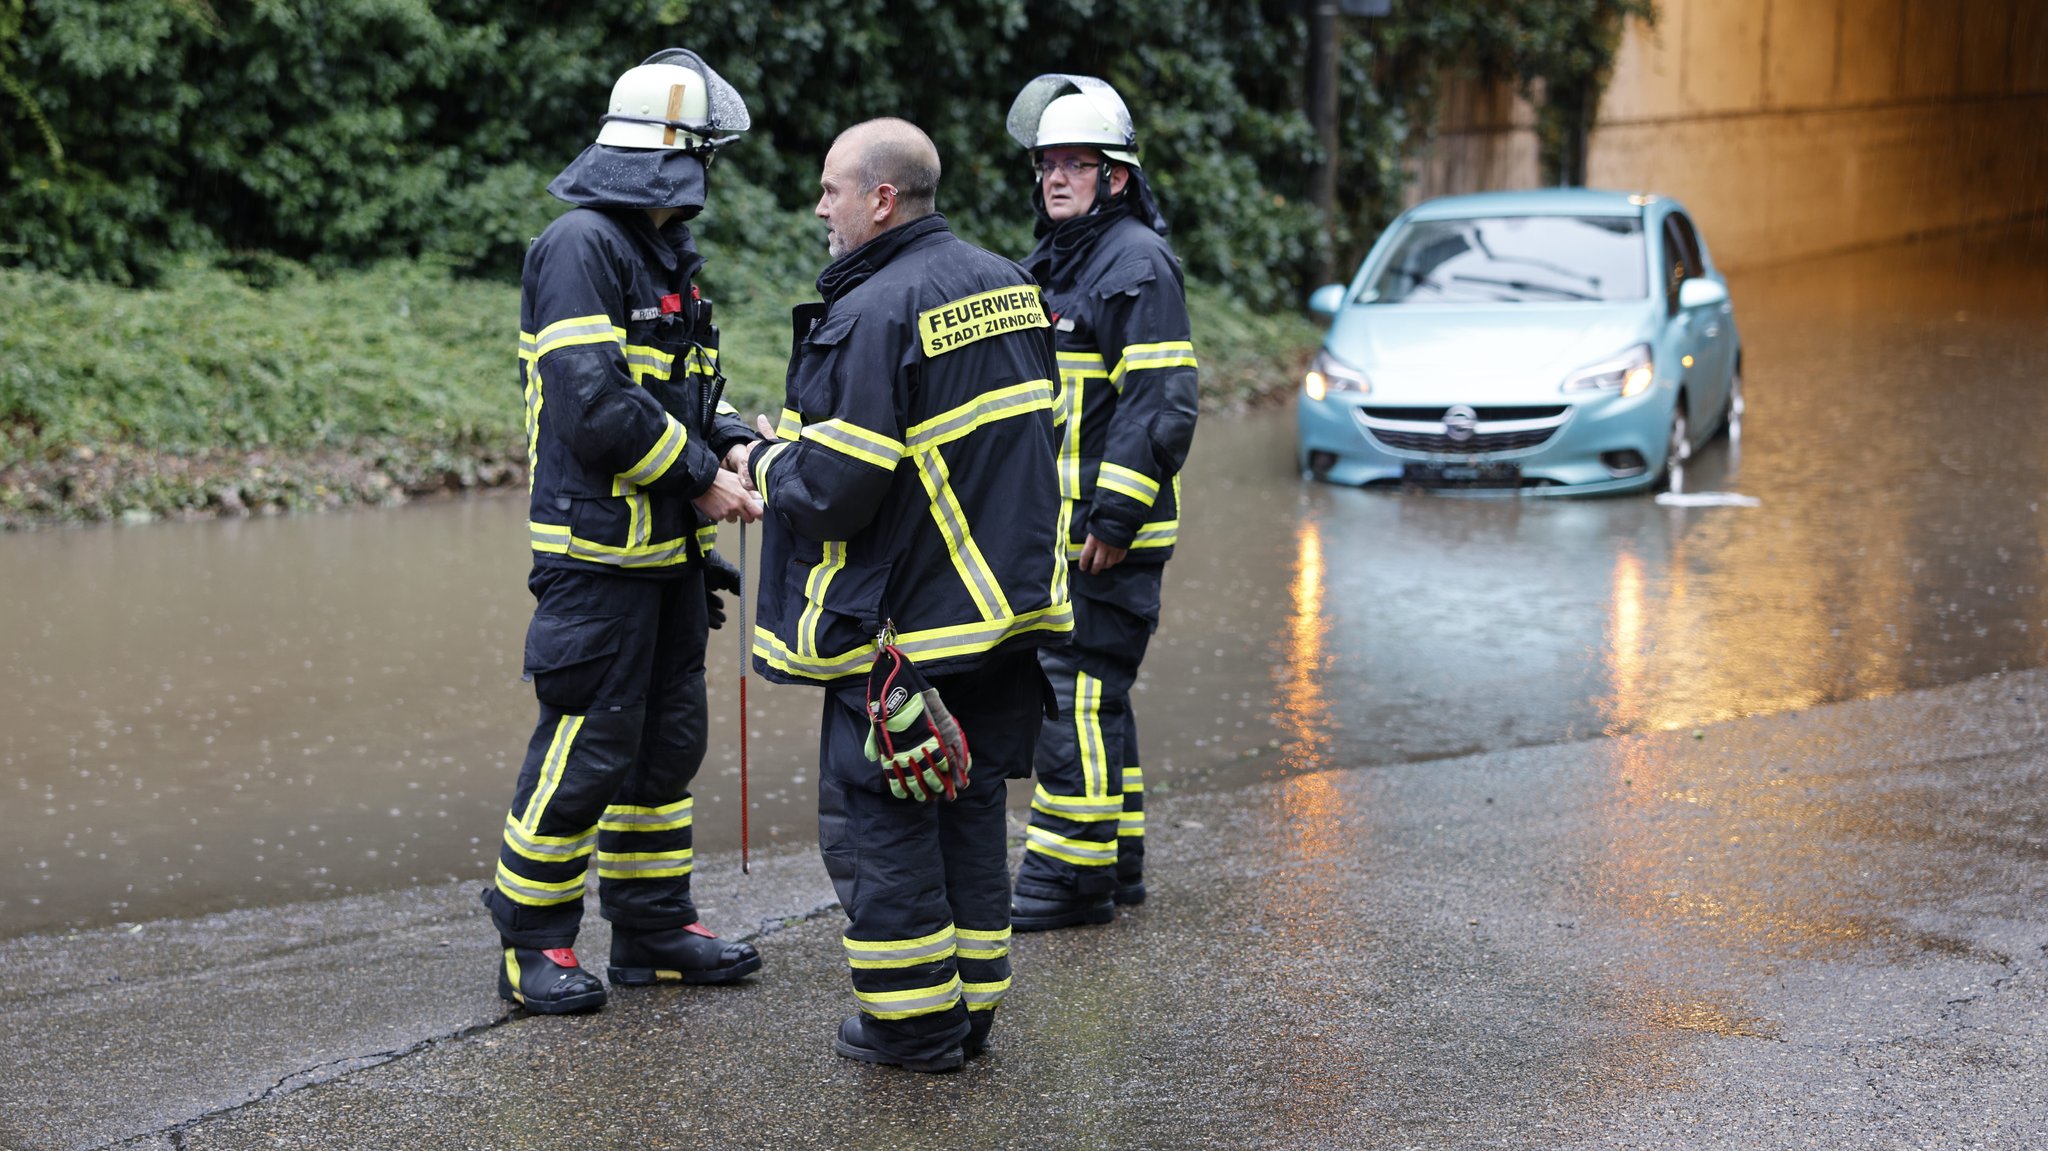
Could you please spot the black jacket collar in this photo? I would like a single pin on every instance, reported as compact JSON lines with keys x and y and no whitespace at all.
{"x":853,"y":269}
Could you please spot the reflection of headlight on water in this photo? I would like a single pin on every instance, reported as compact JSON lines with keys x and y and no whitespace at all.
{"x":1327,"y":374}
{"x":1631,"y":373}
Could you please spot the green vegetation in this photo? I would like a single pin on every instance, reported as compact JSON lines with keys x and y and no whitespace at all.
{"x":262,"y":253}
{"x":204,"y":395}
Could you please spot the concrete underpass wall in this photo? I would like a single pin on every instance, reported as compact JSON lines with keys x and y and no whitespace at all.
{"x":1794,"y":127}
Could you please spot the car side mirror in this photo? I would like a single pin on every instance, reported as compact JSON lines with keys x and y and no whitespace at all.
{"x":1700,"y":292}
{"x":1325,"y":301}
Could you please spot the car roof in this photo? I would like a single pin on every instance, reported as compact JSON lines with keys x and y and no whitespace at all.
{"x":1535,"y":202}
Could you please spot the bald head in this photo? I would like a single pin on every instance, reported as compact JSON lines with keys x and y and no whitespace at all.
{"x":899,"y":154}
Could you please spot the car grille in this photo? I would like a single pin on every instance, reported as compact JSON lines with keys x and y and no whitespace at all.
{"x":1463,"y":431}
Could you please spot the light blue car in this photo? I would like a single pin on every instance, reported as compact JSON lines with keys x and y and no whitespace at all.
{"x":1564,"y":340}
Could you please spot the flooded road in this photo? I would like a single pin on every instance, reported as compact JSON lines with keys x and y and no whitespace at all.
{"x":201,"y":717}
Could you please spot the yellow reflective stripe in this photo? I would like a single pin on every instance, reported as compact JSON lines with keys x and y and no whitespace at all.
{"x":951,"y":518}
{"x":830,"y":564}
{"x":762,"y":464}
{"x":874,"y":954}
{"x":984,"y":996}
{"x":557,"y":539}
{"x":538,"y":893}
{"x":1139,"y":357}
{"x":1069,"y":468}
{"x":911,"y":1002}
{"x":983,"y":944}
{"x":667,"y":449}
{"x":1132,"y":825}
{"x":1079,"y":852}
{"x":577,"y":331}
{"x":1059,"y":552}
{"x":1135,"y":484}
{"x":984,"y":409}
{"x":534,"y":397}
{"x":930,"y":644}
{"x":644,"y":864}
{"x":1162,"y":534}
{"x":550,"y":771}
{"x":848,"y":438}
{"x":789,"y":425}
{"x":547,"y":848}
{"x":620,"y":817}
{"x":644,"y":361}
{"x":1088,"y":735}
{"x":1078,"y":808}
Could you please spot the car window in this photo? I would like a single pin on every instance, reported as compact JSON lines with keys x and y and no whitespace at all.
{"x":1533,"y":259}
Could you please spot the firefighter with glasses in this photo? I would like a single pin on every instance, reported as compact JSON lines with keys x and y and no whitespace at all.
{"x":634,"y":459}
{"x":1126,"y":411}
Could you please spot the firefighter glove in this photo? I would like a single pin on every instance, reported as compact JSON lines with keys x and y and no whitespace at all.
{"x":920,"y":747}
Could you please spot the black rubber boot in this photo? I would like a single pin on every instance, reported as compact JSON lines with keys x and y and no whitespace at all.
{"x":853,"y":1043}
{"x":1033,"y":913}
{"x":678,"y":955}
{"x":548,"y":982}
{"x":978,"y":1023}
{"x":1130,"y":884}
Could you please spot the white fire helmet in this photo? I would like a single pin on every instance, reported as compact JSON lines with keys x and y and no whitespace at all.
{"x":673,"y":100}
{"x":1090,"y":116}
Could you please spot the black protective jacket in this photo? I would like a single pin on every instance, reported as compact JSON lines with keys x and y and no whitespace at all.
{"x":1128,"y":390}
{"x":911,"y":482}
{"x":623,"y":429}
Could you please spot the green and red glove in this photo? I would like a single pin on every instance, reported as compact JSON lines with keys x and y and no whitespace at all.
{"x":922,"y":751}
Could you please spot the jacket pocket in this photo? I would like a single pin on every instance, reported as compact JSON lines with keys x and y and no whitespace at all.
{"x":569,"y":658}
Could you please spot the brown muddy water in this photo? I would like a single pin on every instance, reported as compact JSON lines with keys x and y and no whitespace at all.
{"x":206,"y":716}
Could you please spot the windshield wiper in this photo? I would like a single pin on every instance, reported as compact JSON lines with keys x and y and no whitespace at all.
{"x":1527,"y":286}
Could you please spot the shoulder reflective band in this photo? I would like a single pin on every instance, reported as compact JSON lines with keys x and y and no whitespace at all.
{"x":970,"y":318}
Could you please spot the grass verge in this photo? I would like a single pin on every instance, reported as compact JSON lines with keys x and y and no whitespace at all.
{"x":211,"y":395}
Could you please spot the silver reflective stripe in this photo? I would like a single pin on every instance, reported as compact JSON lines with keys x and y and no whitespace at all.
{"x":967,"y":558}
{"x":1077,"y":807}
{"x":1080,"y":851}
{"x":518,"y":837}
{"x":987,"y":407}
{"x":668,"y":861}
{"x":982,"y":996}
{"x":898,"y":953}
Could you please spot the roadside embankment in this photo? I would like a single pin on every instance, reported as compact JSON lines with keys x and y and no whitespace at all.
{"x":268,"y":388}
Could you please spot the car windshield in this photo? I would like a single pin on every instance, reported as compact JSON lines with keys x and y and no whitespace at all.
{"x":1514,"y":259}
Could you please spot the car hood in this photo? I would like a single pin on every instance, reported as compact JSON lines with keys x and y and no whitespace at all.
{"x":1512,"y":353}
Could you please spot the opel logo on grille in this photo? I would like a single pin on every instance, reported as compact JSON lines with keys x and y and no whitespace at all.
{"x":1459,"y":423}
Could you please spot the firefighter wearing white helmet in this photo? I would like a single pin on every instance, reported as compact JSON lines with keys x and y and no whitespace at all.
{"x":633,"y":458}
{"x":1126,"y":408}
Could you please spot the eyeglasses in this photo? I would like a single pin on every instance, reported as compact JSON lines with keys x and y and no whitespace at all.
{"x":1071,"y":166}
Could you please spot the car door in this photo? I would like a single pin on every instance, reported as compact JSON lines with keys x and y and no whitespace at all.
{"x":1701,"y":331}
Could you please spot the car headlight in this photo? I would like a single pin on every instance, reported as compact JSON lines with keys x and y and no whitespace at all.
{"x":1326,"y":374}
{"x":1631,"y":373}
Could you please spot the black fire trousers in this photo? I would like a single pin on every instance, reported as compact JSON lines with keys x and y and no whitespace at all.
{"x":617,"y":663}
{"x":1087,"y":831}
{"x":926,"y":886}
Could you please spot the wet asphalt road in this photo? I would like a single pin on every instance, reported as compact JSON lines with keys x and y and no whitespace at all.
{"x":1823,"y":928}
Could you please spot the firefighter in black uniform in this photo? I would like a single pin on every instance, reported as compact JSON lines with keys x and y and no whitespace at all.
{"x":910,"y":497}
{"x":633,"y":455}
{"x":1126,"y":408}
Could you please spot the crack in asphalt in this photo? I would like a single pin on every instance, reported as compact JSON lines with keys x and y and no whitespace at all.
{"x":314,"y":1077}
